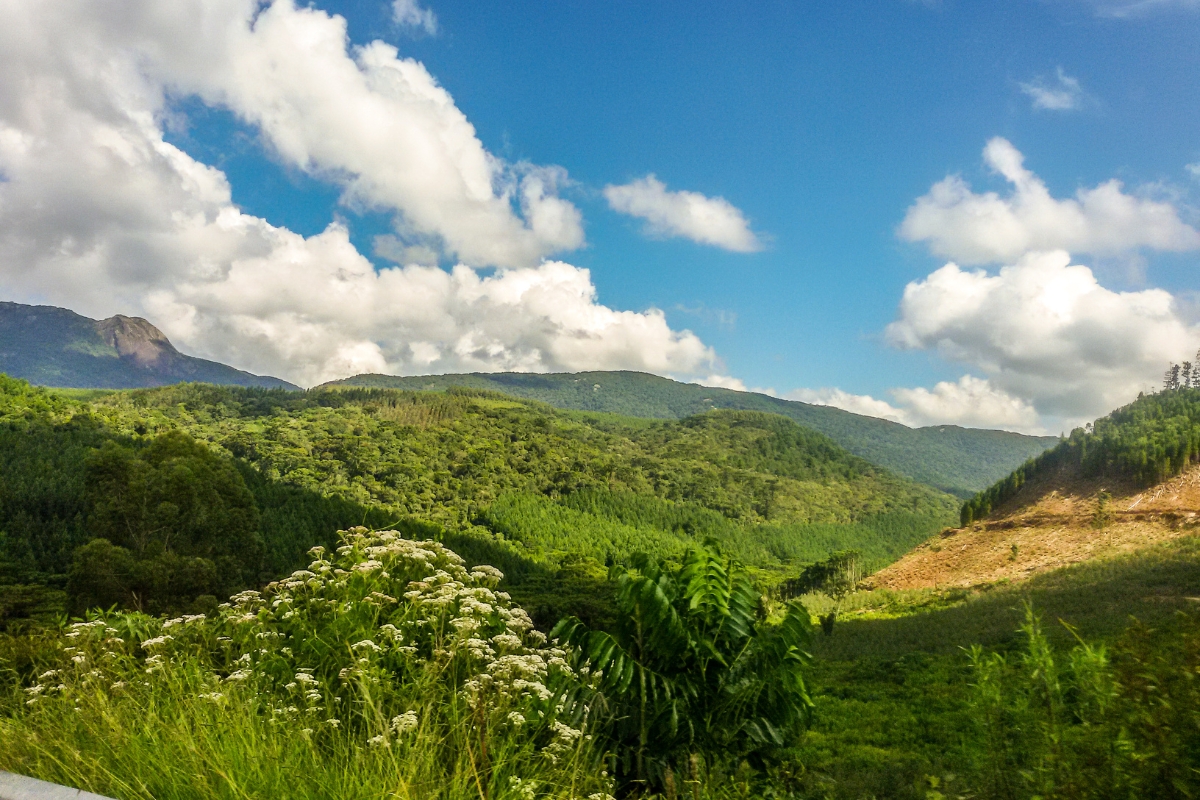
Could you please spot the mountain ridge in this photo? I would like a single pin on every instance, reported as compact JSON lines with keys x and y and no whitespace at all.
{"x":961,"y":461}
{"x":54,"y":346}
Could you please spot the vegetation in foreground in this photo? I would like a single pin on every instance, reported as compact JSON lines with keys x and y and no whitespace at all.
{"x":389,"y":669}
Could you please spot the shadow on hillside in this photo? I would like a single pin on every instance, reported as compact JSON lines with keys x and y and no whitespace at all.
{"x":1097,"y":598}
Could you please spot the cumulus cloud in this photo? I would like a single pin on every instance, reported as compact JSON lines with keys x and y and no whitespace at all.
{"x":99,"y":213}
{"x":706,"y":220}
{"x":377,"y":124}
{"x":1194,"y":170}
{"x":1060,"y":94}
{"x":1046,"y":331}
{"x":970,"y":228}
{"x":410,"y":14}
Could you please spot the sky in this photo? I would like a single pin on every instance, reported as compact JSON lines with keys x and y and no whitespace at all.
{"x":984,"y":214}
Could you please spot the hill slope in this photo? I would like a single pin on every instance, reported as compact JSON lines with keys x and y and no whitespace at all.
{"x":57,"y":347}
{"x":1122,"y":483}
{"x":956,"y":460}
{"x":516,"y":484}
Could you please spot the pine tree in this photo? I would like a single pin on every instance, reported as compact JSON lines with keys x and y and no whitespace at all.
{"x":1185,"y":375}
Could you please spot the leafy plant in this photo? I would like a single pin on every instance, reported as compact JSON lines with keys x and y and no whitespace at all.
{"x":692,"y":669}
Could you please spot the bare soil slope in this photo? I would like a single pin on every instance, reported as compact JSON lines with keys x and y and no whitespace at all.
{"x":1050,"y":523}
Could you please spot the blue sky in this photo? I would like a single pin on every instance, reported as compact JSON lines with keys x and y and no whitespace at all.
{"x":822,"y":124}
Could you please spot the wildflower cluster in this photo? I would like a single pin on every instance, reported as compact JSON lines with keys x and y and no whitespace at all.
{"x":388,"y":642}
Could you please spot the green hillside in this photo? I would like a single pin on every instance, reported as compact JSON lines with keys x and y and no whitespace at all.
{"x":56,"y":347}
{"x":1146,"y":442}
{"x":517,"y":484}
{"x":956,"y":460}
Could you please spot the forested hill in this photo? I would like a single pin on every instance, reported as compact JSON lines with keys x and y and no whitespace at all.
{"x":217,"y":487}
{"x":956,"y":460}
{"x":1144,"y":443}
{"x":57,"y":347}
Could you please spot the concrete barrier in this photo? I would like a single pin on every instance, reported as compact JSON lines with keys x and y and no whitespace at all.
{"x":18,"y":787}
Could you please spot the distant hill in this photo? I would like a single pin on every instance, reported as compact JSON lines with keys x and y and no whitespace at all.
{"x":56,"y":347}
{"x":961,"y":461}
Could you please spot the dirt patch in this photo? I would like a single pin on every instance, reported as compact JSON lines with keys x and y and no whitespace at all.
{"x":1056,"y":526}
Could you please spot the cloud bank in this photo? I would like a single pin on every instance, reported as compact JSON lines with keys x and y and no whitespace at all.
{"x":690,"y":215}
{"x":956,"y":223}
{"x":1056,"y":348}
{"x":970,"y":402}
{"x":98,"y":212}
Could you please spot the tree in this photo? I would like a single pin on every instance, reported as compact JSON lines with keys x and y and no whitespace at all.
{"x":835,"y":577}
{"x":692,"y":669}
{"x":1185,"y":375}
{"x":172,"y":521}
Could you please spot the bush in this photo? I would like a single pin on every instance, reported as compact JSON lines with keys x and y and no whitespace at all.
{"x":692,"y":674}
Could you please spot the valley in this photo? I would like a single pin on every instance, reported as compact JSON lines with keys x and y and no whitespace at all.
{"x":162,"y":501}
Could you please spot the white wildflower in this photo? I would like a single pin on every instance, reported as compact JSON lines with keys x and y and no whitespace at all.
{"x":405,"y":722}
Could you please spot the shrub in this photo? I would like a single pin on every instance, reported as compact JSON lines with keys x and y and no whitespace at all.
{"x":692,"y":673}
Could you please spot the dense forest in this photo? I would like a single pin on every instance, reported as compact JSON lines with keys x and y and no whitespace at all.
{"x":166,"y":499}
{"x":961,"y":461}
{"x":1146,"y":442}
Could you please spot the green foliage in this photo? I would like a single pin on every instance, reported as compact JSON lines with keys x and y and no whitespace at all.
{"x":1146,"y":442}
{"x":957,"y":460}
{"x":511,"y":483}
{"x":387,"y":669}
{"x":690,"y":668}
{"x":1090,"y":723}
{"x":174,"y":495}
{"x":835,"y":577}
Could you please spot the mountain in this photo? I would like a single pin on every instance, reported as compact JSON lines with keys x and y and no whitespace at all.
{"x":961,"y":461}
{"x":57,"y":347}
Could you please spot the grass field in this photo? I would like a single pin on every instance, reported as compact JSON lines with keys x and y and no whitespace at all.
{"x":893,"y":683}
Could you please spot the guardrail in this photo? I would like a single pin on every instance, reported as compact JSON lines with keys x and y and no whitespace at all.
{"x":18,"y":787}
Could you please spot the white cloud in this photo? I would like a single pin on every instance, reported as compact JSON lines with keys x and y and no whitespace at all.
{"x":410,"y":14}
{"x":971,"y":228}
{"x":1127,"y":9}
{"x":99,"y":213}
{"x":723,"y":382}
{"x":1046,"y":331}
{"x":969,"y":402}
{"x":377,"y":124}
{"x":855,"y":403}
{"x":706,"y":220}
{"x":1194,"y":170}
{"x":1061,"y":94}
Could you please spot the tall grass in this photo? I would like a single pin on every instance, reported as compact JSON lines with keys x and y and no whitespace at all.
{"x":386,"y":670}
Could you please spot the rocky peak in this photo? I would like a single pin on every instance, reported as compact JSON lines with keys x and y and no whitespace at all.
{"x":136,"y":339}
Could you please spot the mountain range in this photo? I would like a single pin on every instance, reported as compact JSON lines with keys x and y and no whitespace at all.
{"x":57,"y":347}
{"x":957,"y":460}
